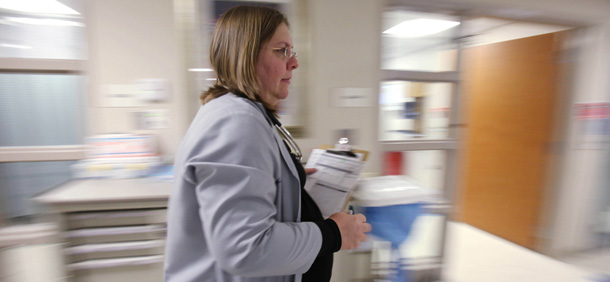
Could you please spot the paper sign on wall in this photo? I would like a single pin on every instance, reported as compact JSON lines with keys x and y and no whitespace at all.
{"x":352,"y":97}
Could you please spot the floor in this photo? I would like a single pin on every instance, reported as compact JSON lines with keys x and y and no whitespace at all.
{"x":476,"y":256}
{"x":597,"y":261}
{"x":471,"y":256}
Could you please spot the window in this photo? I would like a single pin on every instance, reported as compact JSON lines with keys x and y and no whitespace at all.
{"x":418,"y":113}
{"x":42,"y":104}
{"x":416,"y":41}
{"x":418,"y":100}
{"x":411,"y":110}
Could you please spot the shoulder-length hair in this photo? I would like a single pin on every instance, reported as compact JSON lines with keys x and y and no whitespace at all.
{"x":234,"y":50}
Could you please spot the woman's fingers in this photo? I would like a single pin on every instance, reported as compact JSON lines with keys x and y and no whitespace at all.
{"x":361,"y":217}
{"x":367,"y":227}
{"x":309,"y":171}
{"x":352,"y":229}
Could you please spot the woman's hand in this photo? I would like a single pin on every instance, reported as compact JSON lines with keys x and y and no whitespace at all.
{"x":309,"y":171}
{"x":352,"y":228}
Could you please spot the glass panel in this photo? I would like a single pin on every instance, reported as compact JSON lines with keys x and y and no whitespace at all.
{"x":41,"y":109}
{"x":426,"y":167}
{"x":43,"y":36}
{"x":20,"y":181}
{"x":414,"y":110}
{"x":418,"y":51}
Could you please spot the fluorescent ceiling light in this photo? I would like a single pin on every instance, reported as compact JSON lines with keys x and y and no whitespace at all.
{"x":37,"y":6}
{"x":6,"y":45}
{"x":47,"y":22}
{"x":211,"y":79}
{"x":420,"y":27}
{"x":200,"y":70}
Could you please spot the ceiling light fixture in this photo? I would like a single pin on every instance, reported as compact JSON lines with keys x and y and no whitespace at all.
{"x":200,"y":69}
{"x":47,"y":22}
{"x":16,"y":46}
{"x":420,"y":27}
{"x":37,"y":6}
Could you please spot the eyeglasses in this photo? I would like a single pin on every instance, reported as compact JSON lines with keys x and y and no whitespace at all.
{"x":287,"y":52}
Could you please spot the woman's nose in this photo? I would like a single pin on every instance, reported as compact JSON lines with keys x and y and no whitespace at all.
{"x":293,"y":63}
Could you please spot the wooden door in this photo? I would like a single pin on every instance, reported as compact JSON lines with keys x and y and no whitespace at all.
{"x":509,"y":89}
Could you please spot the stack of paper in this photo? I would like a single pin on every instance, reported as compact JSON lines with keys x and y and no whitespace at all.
{"x":333,"y":181}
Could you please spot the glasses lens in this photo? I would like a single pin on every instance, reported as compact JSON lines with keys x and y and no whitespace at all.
{"x":289,"y":53}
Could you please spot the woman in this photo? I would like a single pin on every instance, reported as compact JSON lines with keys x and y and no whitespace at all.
{"x":238,"y":211}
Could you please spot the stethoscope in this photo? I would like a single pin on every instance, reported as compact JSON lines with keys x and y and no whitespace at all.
{"x":292,"y":145}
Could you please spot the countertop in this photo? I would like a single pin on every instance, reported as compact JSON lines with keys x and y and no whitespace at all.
{"x":105,"y":194}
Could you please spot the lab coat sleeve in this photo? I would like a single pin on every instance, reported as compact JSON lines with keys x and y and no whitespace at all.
{"x":232,"y":171}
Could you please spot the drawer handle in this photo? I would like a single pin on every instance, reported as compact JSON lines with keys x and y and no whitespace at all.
{"x":114,"y":231}
{"x":113,"y":247}
{"x":107,"y":263}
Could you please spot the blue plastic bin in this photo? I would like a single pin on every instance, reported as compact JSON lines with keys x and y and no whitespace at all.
{"x":391,"y":205}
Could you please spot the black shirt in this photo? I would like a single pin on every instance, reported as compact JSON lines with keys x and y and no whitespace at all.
{"x":321,"y":269}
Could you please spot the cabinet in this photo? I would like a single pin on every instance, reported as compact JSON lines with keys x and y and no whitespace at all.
{"x":111,"y":230}
{"x":30,"y":253}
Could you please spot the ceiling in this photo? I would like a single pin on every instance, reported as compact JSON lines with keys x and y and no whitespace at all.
{"x":473,"y":31}
{"x":561,"y":12}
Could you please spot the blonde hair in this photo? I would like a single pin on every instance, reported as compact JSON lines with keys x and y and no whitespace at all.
{"x":234,"y":49}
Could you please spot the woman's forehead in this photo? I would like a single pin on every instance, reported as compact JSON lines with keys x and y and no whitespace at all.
{"x":281,"y":36}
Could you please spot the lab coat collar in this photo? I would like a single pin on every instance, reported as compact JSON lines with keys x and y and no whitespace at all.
{"x":283,"y":150}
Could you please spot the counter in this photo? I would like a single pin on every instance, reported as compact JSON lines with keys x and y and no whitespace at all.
{"x":111,"y":229}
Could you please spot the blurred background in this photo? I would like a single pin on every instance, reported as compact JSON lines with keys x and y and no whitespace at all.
{"x":498,"y":110}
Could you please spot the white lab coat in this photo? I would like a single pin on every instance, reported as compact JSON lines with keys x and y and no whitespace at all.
{"x":234,"y":210}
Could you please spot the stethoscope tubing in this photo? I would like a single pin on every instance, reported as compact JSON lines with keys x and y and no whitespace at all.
{"x":287,"y":137}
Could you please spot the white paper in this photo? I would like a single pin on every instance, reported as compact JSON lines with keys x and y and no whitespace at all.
{"x":333,"y":181}
{"x":352,"y":97}
{"x":120,"y":96}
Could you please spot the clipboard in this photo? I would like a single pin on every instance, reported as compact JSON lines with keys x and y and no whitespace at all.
{"x":365,"y":154}
{"x":333,"y":185}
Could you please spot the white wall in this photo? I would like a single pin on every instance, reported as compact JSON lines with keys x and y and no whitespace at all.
{"x":131,"y":40}
{"x":136,"y":39}
{"x":582,"y":174}
{"x":344,"y":54}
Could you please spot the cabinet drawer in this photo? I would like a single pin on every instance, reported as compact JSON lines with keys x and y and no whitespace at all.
{"x":114,"y":250}
{"x":131,"y":269}
{"x":115,"y":234}
{"x":116,"y":218}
